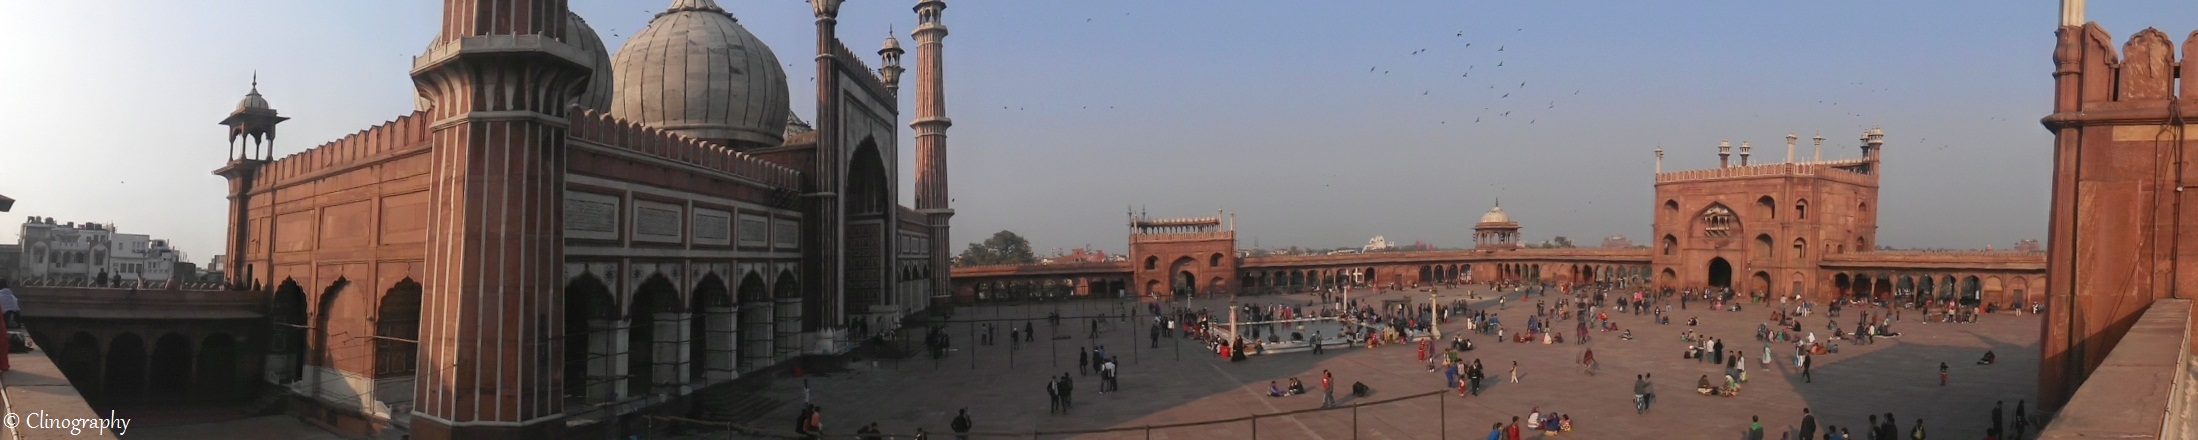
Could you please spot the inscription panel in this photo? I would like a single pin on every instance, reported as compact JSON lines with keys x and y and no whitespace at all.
{"x":713,"y":227}
{"x":785,"y":234}
{"x":591,"y":216}
{"x":754,"y":230}
{"x":657,"y":222}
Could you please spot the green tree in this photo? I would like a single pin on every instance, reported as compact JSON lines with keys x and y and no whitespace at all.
{"x":1003,"y":248}
{"x":1563,"y":242}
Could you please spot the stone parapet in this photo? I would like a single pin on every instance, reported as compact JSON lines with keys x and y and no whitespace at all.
{"x":34,"y":385}
{"x":2143,"y":389}
{"x":373,"y":145}
{"x":1831,"y":169}
{"x":602,"y":128}
{"x":123,"y":303}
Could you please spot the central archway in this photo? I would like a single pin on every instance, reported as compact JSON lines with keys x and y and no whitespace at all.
{"x":1720,"y":272}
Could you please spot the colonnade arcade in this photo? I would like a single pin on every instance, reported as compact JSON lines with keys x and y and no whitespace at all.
{"x":658,"y":336}
{"x":1041,"y":287}
{"x":1969,"y":287}
{"x":1294,"y":280}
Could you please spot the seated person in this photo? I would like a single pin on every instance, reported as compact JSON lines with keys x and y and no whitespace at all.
{"x":1467,"y":345}
{"x":1275,"y":390}
{"x":1297,"y":336}
{"x":1702,"y":386}
{"x":1692,"y":322}
{"x":1627,"y":335}
{"x":1296,"y":387}
{"x":1988,"y":358}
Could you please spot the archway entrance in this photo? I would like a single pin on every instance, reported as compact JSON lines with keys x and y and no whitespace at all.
{"x":1180,"y":277}
{"x":755,"y":323}
{"x":590,"y":322}
{"x":651,"y":345}
{"x":869,"y":202}
{"x":1720,"y":272}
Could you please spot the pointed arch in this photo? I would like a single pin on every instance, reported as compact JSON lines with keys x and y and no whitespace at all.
{"x":710,"y":352}
{"x":755,"y":323}
{"x":591,"y":320}
{"x":397,"y":331}
{"x":286,"y":342}
{"x":125,"y":378}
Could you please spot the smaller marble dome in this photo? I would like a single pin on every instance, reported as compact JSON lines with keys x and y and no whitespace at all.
{"x":252,"y":101}
{"x":1496,"y":215}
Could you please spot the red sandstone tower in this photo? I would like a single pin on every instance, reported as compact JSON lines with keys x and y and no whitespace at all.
{"x":253,"y":120}
{"x":499,"y":76}
{"x":930,"y":125}
{"x":2120,"y":184}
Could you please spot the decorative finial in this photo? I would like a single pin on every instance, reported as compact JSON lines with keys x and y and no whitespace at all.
{"x":2072,"y":13}
{"x":255,"y":80}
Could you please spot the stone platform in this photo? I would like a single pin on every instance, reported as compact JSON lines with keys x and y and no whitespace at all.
{"x":1182,"y":382}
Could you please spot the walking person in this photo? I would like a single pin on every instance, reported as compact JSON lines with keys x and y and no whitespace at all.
{"x":1640,"y":394}
{"x":1068,"y":393}
{"x":1755,"y":428}
{"x":1808,"y":425}
{"x":10,"y":308}
{"x":2022,"y":421}
{"x":1806,"y":361}
{"x":1053,"y":396}
{"x":1327,"y":389}
{"x":1996,"y":421}
{"x":961,"y":425}
{"x":1942,"y":374}
{"x":1083,"y":361}
{"x":1917,"y":433}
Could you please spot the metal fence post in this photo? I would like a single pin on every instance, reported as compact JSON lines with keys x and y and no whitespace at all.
{"x":1354,"y":421}
{"x":1255,"y":427}
{"x":1442,"y":412}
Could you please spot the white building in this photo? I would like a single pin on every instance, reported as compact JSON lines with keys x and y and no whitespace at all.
{"x":1378,"y":243}
{"x":84,"y":251}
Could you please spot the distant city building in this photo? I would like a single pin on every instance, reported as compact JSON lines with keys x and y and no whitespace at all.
{"x":1079,"y":255}
{"x":1617,"y":242}
{"x":82,"y":251}
{"x":2030,"y":245}
{"x":1378,"y":243}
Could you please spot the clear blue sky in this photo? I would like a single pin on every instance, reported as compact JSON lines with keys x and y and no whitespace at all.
{"x":1068,"y":112}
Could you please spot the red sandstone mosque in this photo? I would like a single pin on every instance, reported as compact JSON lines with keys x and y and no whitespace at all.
{"x":1803,"y":227}
{"x":562,"y":234}
{"x":563,"y":238}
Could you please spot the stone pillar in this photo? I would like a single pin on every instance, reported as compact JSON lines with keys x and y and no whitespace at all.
{"x":498,"y":76}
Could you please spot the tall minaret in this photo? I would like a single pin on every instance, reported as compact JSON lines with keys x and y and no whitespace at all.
{"x":1819,"y":147}
{"x":1659,"y":159}
{"x":931,"y":123}
{"x":1790,"y":138}
{"x":498,"y":76}
{"x":254,"y":121}
{"x":1745,"y":150}
{"x":1724,"y":154}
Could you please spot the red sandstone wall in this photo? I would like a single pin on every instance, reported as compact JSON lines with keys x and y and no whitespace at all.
{"x":1831,"y":211}
{"x":1156,"y":257}
{"x":2117,"y":240}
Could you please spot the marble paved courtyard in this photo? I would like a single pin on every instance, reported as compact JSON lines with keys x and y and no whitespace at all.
{"x":1004,"y":391}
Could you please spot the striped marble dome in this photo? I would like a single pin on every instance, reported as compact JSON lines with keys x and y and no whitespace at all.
{"x":696,"y":71}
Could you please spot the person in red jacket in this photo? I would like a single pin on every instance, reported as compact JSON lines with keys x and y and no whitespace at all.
{"x":1327,"y":389}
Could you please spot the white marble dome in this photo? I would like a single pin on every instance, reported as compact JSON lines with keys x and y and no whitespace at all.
{"x":696,"y":71}
{"x":1496,"y":215}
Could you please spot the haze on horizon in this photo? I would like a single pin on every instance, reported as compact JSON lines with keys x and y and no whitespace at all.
{"x":1320,"y":124}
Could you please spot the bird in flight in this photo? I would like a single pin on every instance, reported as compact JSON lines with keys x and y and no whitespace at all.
{"x":1499,"y":48}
